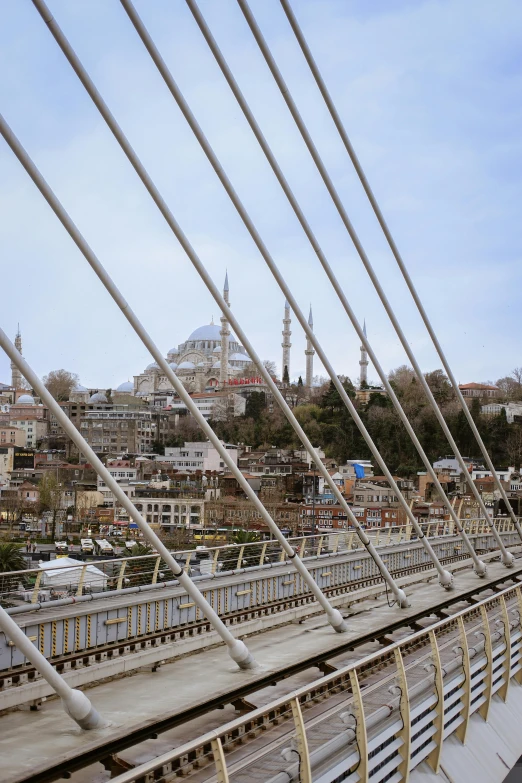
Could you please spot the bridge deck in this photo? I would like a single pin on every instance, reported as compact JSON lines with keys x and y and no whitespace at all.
{"x":36,"y":741}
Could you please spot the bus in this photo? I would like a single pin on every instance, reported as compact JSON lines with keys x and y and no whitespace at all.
{"x":87,"y":546}
{"x":103,"y":547}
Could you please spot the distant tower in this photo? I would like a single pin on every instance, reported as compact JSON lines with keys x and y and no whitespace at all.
{"x":286,"y":344}
{"x":363,"y":378}
{"x":16,"y":375}
{"x":225,"y":333}
{"x":309,"y":353}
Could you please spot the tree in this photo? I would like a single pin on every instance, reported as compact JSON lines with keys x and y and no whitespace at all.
{"x":270,"y":367}
{"x":157,"y":447}
{"x":286,"y":377}
{"x":139,"y":572}
{"x":440,"y":386}
{"x":60,"y":384}
{"x":11,"y":559}
{"x":300,"y":381}
{"x":511,"y":385}
{"x":51,"y":498}
{"x":255,"y":405}
{"x":514,"y":446}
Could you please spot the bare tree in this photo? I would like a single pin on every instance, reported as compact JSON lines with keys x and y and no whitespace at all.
{"x":60,"y":384}
{"x":514,"y":446}
{"x":51,"y":498}
{"x":270,"y":366}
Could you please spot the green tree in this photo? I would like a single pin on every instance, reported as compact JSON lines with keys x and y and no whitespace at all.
{"x":299,"y":381}
{"x":255,"y":405}
{"x":139,"y":572}
{"x":157,"y":447}
{"x":286,"y":377}
{"x":11,"y":559}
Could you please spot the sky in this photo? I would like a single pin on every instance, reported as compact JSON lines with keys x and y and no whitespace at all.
{"x":430,"y":92}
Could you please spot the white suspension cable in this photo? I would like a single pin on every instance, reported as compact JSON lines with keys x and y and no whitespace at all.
{"x":76,"y":704}
{"x":395,"y":250}
{"x":480,"y":567}
{"x":334,"y":616}
{"x":507,"y":557}
{"x":445,"y":577}
{"x":237,"y":650}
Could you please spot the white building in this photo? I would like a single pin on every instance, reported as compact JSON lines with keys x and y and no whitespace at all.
{"x":212,"y":405}
{"x":513,"y":410}
{"x":450,"y":464}
{"x":198,"y":456}
{"x":172,"y":512}
{"x":124,"y":475}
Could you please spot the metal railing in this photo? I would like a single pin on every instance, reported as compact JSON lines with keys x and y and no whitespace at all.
{"x":378,"y":718}
{"x":38,"y":585}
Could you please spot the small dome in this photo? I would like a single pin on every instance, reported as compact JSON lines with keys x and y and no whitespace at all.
{"x":173,"y":365}
{"x":239,"y":357}
{"x":127,"y":386}
{"x":186,"y":366}
{"x":201,"y":364}
{"x":173,"y":351}
{"x":98,"y":397}
{"x":79,"y":389}
{"x":25,"y":399}
{"x":153,"y":366}
{"x":217,"y":349}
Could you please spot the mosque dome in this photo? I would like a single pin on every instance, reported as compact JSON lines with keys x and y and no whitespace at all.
{"x":79,"y":389}
{"x":98,"y":397}
{"x":239,"y":357}
{"x":152,"y":367}
{"x":217,"y":349}
{"x":209,"y":332}
{"x":25,"y":399}
{"x":173,"y":351}
{"x":173,"y":365}
{"x":201,"y":364}
{"x":186,"y":366}
{"x":127,"y":386}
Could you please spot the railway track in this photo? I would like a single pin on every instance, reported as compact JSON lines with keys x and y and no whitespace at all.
{"x":108,"y":752}
{"x":21,"y":674}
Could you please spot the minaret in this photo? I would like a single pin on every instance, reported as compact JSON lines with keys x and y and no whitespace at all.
{"x":225,"y":333}
{"x":363,"y":378}
{"x":309,"y":353}
{"x":286,"y":344}
{"x":16,"y":375}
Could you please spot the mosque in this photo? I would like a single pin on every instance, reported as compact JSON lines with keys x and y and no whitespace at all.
{"x":210,"y":358}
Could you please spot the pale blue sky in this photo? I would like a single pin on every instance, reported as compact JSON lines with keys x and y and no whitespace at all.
{"x":431,"y":95}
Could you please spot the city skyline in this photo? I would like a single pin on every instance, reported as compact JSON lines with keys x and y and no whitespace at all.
{"x":404,"y":107}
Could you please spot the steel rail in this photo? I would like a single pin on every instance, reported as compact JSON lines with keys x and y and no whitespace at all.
{"x":480,"y":568}
{"x":393,"y":247}
{"x":136,"y":736}
{"x":283,"y":88}
{"x":243,"y":615}
{"x":445,"y":578}
{"x":235,"y":647}
{"x":335,"y":618}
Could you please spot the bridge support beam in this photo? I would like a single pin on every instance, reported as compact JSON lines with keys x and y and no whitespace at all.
{"x":75,"y":703}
